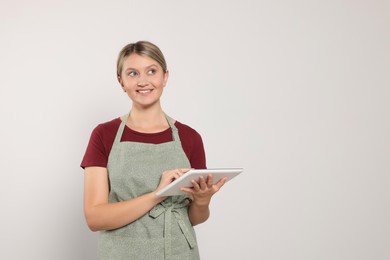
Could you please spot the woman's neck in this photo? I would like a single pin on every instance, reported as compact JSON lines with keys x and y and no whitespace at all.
{"x":149,"y":120}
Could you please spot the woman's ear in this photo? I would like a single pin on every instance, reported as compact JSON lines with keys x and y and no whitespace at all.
{"x":121,"y":83}
{"x":166,"y":76}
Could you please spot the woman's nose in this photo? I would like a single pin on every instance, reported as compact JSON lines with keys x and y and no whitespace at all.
{"x":142,"y":82}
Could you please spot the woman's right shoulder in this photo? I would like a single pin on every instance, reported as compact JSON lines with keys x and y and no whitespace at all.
{"x":100,"y":144}
{"x":107,"y":128}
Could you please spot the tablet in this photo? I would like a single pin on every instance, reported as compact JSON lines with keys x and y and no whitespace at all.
{"x":185,"y":180}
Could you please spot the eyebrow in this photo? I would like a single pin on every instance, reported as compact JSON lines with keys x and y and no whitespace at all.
{"x":147,"y":67}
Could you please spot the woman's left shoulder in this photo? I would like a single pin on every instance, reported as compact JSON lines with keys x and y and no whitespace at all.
{"x":192,"y":144}
{"x":186,"y":130}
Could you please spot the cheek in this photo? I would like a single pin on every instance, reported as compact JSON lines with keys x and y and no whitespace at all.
{"x":129,"y":83}
{"x":158,"y":82}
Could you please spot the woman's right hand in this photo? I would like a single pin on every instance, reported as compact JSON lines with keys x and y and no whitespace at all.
{"x":169,"y":176}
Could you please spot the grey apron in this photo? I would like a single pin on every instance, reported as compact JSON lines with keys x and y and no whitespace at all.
{"x":165,"y":232}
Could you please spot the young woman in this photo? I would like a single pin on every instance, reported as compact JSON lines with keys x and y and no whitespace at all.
{"x":131,"y":158}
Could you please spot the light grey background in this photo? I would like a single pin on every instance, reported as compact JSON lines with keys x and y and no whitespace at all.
{"x":296,"y":92}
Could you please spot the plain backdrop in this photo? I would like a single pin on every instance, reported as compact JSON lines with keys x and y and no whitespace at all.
{"x":296,"y":92}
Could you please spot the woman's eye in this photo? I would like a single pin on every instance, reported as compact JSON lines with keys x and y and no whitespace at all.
{"x":152,"y":72}
{"x":132,"y":73}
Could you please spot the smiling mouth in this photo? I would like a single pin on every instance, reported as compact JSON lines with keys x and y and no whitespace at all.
{"x":144,"y":91}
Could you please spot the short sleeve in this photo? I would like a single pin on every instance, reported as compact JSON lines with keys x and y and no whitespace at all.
{"x":95,"y":154}
{"x":192,"y":144}
{"x":198,"y":156}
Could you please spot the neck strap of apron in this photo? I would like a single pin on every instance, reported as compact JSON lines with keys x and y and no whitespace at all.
{"x":175,"y":133}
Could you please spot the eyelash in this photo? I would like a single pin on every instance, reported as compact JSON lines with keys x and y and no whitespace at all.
{"x":150,"y":72}
{"x":131,"y":73}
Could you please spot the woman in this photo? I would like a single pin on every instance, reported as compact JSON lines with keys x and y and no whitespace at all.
{"x":129,"y":159}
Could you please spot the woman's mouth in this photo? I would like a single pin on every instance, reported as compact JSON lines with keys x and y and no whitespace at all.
{"x":144,"y":91}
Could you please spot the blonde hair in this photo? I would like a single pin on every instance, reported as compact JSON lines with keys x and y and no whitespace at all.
{"x":143,"y":48}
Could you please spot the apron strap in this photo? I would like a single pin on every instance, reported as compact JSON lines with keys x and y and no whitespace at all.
{"x":175,"y":132}
{"x":120,"y":130}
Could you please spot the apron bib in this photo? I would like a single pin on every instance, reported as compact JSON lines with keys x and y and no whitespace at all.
{"x":165,"y":232}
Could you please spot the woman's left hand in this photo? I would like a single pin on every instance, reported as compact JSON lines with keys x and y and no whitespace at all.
{"x":204,"y":190}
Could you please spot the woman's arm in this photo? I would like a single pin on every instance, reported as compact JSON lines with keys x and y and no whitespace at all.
{"x":101,"y":215}
{"x":198,"y":211}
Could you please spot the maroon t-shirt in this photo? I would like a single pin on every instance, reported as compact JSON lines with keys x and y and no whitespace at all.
{"x":102,"y":139}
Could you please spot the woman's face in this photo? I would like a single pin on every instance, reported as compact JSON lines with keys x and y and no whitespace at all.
{"x":143,"y":79}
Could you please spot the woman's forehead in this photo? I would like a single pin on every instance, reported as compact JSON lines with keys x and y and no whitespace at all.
{"x":138,"y":61}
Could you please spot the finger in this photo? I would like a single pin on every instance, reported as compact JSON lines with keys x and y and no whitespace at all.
{"x":195,"y":185}
{"x":179,"y":172}
{"x":169,"y":174}
{"x":184,"y":170}
{"x":221,"y":182}
{"x":174,"y":174}
{"x":202,"y":183}
{"x":188,"y":190}
{"x":210,"y":181}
